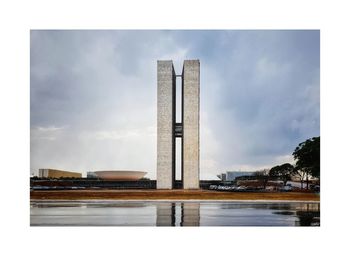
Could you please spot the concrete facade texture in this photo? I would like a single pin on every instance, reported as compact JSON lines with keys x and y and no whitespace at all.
{"x":188,"y":130}
{"x":190,"y":122}
{"x":165,"y":125}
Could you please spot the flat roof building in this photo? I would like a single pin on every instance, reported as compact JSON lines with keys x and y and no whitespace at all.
{"x":53,"y":173}
{"x":120,"y":175}
{"x":231,"y":176}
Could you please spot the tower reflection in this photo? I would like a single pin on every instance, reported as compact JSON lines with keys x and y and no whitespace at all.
{"x":166,"y":214}
{"x":187,"y":214}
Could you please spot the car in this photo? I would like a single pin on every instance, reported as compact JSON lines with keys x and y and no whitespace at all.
{"x":241,"y":188}
{"x":315,"y":188}
{"x":213,"y":187}
{"x":286,"y":188}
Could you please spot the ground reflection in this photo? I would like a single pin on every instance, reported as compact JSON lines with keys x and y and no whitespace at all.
{"x":308,"y":214}
{"x":238,"y":214}
{"x":179,"y":213}
{"x":188,"y":214}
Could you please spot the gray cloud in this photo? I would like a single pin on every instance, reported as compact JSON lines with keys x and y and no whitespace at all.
{"x":93,"y":96}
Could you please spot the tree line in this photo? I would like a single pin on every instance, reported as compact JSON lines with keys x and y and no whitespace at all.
{"x":307,"y":156}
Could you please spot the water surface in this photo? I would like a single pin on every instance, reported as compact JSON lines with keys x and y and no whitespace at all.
{"x":179,"y":213}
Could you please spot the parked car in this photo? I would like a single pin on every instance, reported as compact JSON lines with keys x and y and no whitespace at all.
{"x":241,"y":188}
{"x":315,"y":188}
{"x":286,"y":188}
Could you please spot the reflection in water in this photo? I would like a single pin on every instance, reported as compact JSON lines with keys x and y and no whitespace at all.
{"x":189,"y":214}
{"x":307,"y":214}
{"x":284,"y":213}
{"x":305,"y":218}
{"x":273,"y":206}
{"x":168,"y":212}
{"x":141,"y":213}
{"x":88,"y":205}
{"x":260,"y":214}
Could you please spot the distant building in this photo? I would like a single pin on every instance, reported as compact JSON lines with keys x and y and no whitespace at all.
{"x":222,"y":176}
{"x":120,"y":175}
{"x":52,"y":173}
{"x":231,"y":176}
{"x":91,"y":175}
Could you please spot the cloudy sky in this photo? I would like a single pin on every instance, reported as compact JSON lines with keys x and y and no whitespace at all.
{"x":93,"y":97}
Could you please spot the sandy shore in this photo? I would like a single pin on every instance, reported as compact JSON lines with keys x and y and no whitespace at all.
{"x":169,"y":195}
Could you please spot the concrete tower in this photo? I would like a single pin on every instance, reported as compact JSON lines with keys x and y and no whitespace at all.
{"x":166,"y":80}
{"x":168,"y":129}
{"x":190,"y":123}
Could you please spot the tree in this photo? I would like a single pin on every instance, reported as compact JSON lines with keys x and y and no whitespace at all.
{"x":307,"y":156}
{"x":262,"y":177}
{"x":283,"y":171}
{"x":302,"y":173}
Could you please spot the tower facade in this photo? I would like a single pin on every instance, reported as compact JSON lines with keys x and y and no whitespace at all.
{"x":168,"y":130}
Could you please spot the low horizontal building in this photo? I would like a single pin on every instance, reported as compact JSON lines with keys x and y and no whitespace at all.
{"x":91,"y":175}
{"x":52,"y":173}
{"x":231,"y":176}
{"x":120,"y":175}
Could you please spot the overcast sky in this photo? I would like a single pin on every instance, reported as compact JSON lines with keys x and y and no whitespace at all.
{"x":93,"y":97}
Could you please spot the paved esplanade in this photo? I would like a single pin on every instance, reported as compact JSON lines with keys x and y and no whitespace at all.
{"x":168,"y":129}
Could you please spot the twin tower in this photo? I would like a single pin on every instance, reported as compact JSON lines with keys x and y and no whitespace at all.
{"x":169,"y":130}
